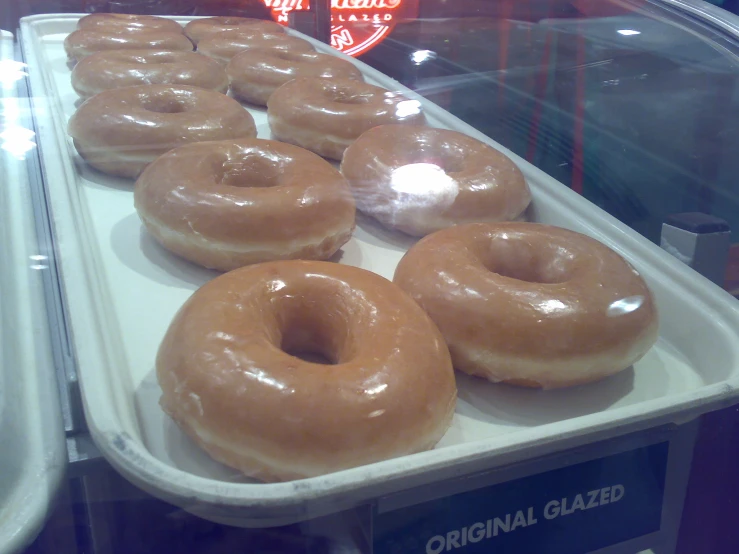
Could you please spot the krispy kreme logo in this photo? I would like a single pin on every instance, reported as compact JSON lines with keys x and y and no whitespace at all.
{"x":356,"y":25}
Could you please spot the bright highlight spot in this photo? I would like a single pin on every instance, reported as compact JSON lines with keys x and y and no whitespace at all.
{"x":554,"y":307}
{"x":427,"y":180}
{"x":17,"y":141}
{"x":408,"y":108}
{"x":420,"y":56}
{"x":11,"y":71}
{"x":625,"y":306}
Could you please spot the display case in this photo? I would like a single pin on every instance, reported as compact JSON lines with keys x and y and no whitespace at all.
{"x":382,"y":276}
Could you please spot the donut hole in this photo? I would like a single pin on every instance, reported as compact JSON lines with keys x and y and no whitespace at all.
{"x":225,"y":20}
{"x":160,"y":104}
{"x":529,"y":272}
{"x":431,"y":151}
{"x":452,"y":165}
{"x":249,"y":172}
{"x":345,"y":95}
{"x":448,"y":162}
{"x":310,"y":341}
{"x":309,"y":353}
{"x":315,"y":322}
{"x":516,"y":259}
{"x":452,"y":160}
{"x":293,"y":56}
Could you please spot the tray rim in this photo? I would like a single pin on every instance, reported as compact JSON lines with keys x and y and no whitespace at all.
{"x":133,"y":459}
{"x":26,"y":510}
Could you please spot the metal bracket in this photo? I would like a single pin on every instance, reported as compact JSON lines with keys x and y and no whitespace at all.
{"x":315,"y":22}
{"x":699,"y":240}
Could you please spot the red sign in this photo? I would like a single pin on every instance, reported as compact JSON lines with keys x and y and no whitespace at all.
{"x":356,"y":25}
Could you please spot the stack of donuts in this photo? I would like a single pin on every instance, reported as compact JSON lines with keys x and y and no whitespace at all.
{"x":483,"y":291}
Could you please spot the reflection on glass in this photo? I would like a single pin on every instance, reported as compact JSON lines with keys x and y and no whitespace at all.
{"x":628,"y":32}
{"x":17,"y":141}
{"x":11,"y":71}
{"x":420,"y":56}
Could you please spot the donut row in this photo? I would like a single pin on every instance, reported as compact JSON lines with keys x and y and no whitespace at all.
{"x":124,"y":128}
{"x":114,"y":50}
{"x":100,"y":32}
{"x":513,"y":302}
{"x":516,"y":303}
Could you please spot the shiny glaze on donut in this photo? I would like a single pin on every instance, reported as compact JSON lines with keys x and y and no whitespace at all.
{"x":122,"y":22}
{"x":120,"y":131}
{"x":84,"y":42}
{"x":421,"y":179}
{"x":198,"y":29}
{"x":124,"y":68}
{"x":228,"y":381}
{"x":327,"y":115}
{"x":227,"y":204}
{"x":224,"y":46}
{"x":531,"y":304}
{"x":256,"y":73}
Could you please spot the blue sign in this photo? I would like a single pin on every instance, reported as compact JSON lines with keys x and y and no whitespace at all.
{"x":572,"y":510}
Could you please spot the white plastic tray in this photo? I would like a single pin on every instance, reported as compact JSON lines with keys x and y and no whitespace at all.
{"x":32,"y":451}
{"x":122,"y":290}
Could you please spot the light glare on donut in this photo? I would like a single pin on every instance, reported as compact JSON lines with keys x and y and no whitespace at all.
{"x":408,"y":108}
{"x":376,"y":390}
{"x":421,"y":178}
{"x":448,"y":278}
{"x":274,"y":286}
{"x":138,"y":121}
{"x":462,"y":179}
{"x":625,"y":306}
{"x":554,"y":307}
{"x":265,"y":379}
{"x":420,"y":186}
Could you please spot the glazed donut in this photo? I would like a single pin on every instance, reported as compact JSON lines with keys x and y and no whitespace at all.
{"x":122,"y":22}
{"x":421,"y":179}
{"x":230,"y":382}
{"x":255,"y":74}
{"x":224,"y":46}
{"x":228,"y":204}
{"x":198,"y":29}
{"x":84,"y":42}
{"x":327,"y":115}
{"x":120,"y":131}
{"x":124,"y":68}
{"x":530,"y":304}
